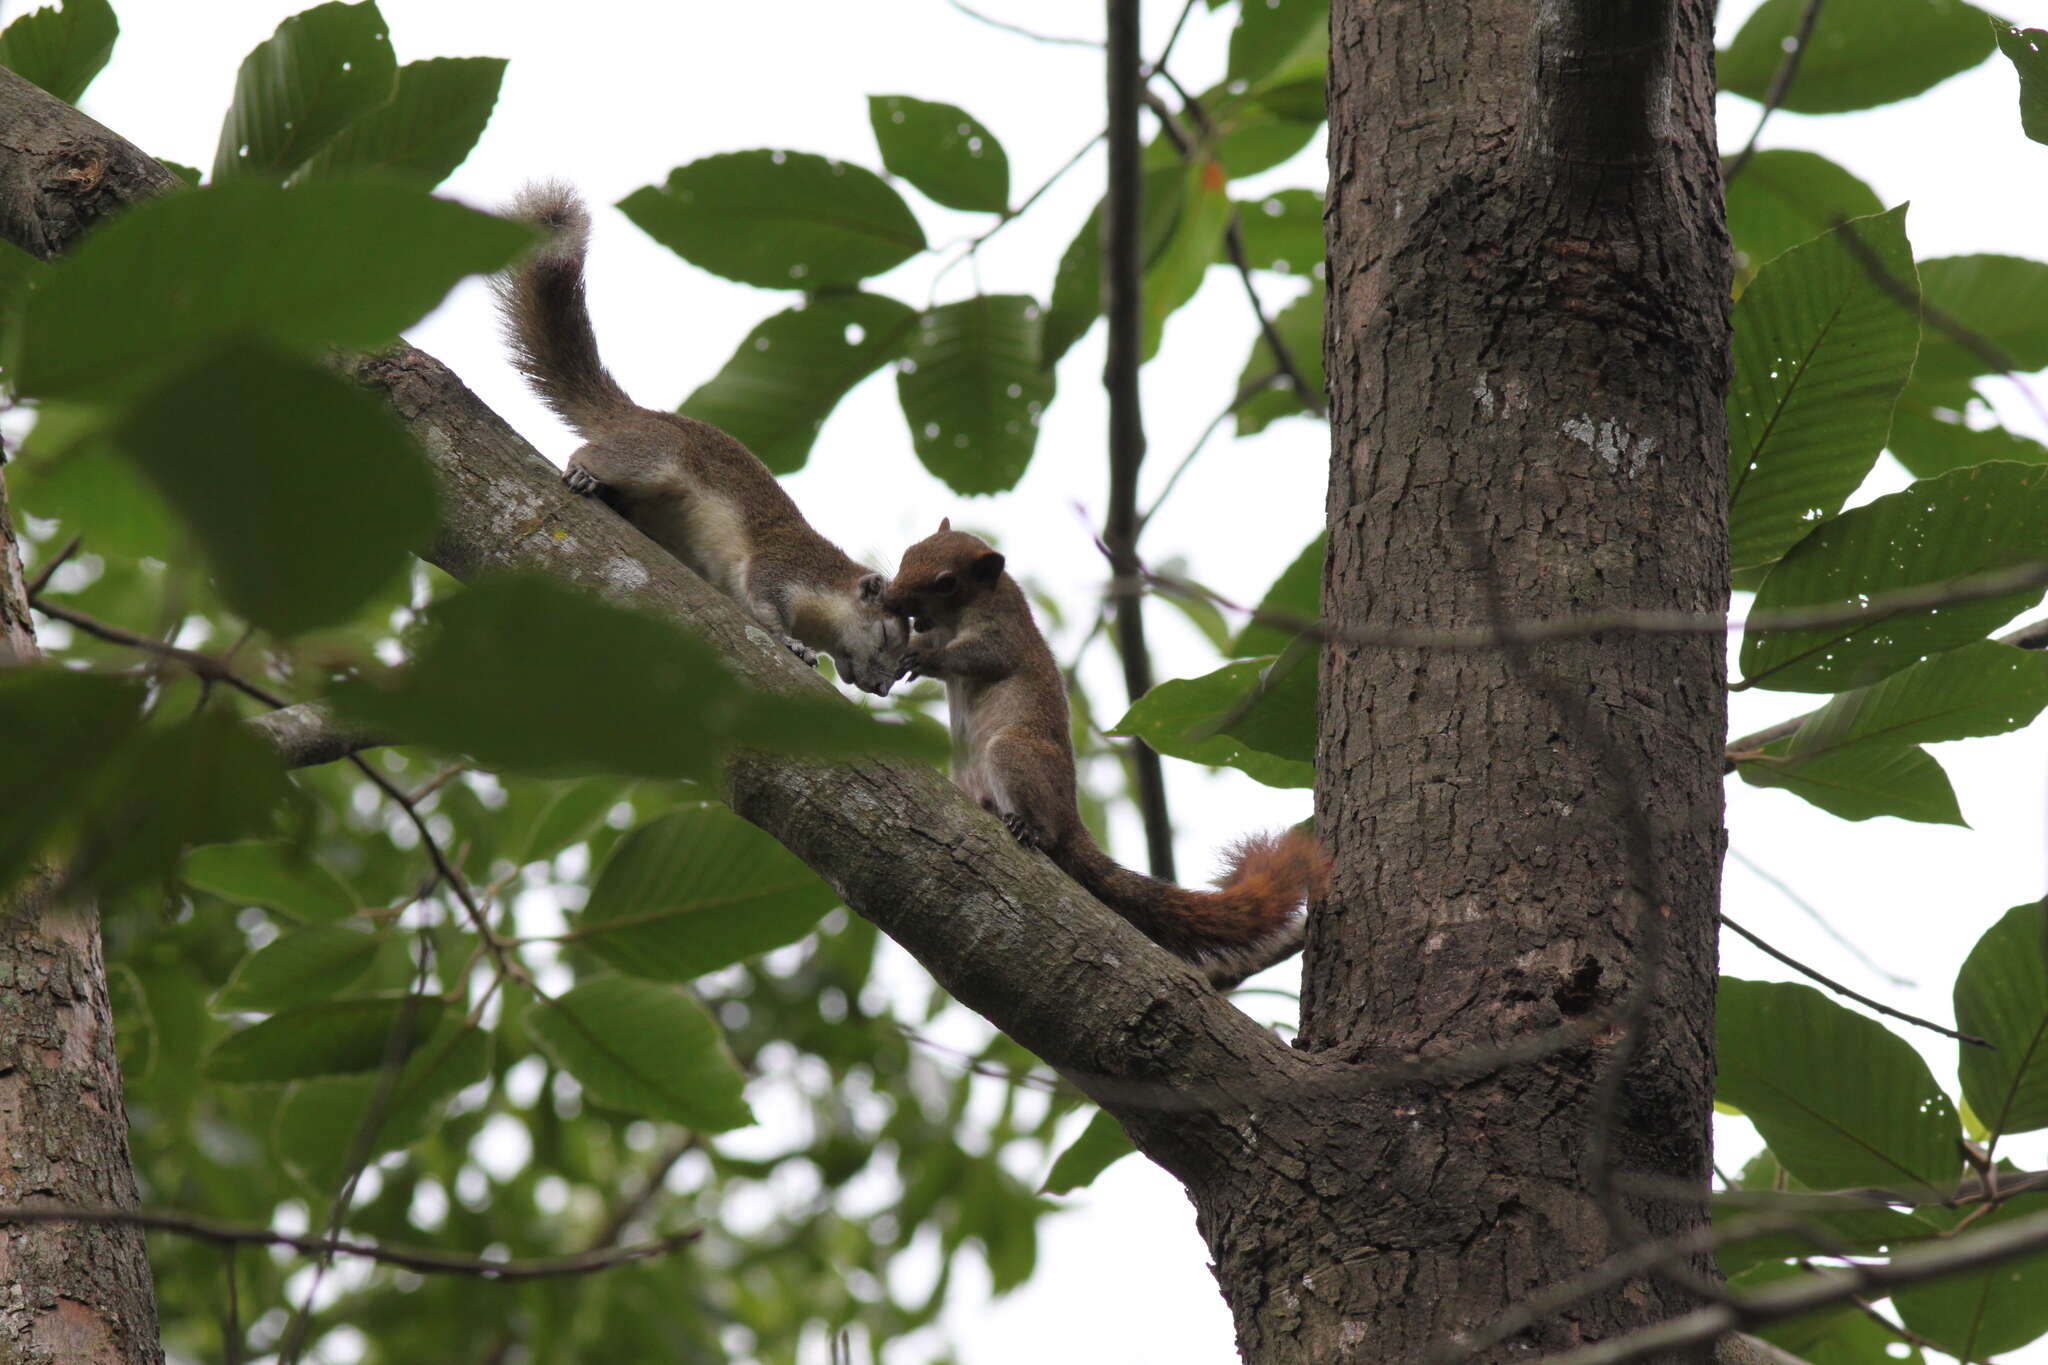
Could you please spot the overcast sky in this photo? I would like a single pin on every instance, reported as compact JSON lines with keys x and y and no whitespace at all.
{"x":612,"y":94}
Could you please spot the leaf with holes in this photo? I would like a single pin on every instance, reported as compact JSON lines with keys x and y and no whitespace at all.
{"x":1980,"y":689}
{"x":2001,"y":995}
{"x":319,"y":72}
{"x":425,"y":132}
{"x":644,"y":1048}
{"x":1783,"y":198}
{"x":943,"y":150}
{"x":1851,"y":1105}
{"x":1971,"y":521}
{"x":973,"y":390}
{"x":791,"y":371}
{"x":1822,"y":348}
{"x":1868,"y":53}
{"x":61,"y":48}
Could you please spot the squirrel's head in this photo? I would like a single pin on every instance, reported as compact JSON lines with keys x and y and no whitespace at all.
{"x":941,"y":576}
{"x":872,"y":639}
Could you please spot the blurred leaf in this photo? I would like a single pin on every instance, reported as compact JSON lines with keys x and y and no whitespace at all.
{"x":2001,"y":995}
{"x":943,"y":150}
{"x":779,"y":220}
{"x":298,"y":966}
{"x":274,"y":876}
{"x":571,"y":816}
{"x":1859,"y":783}
{"x":89,"y":487}
{"x":973,"y":388}
{"x":791,"y":371}
{"x":1268,"y":32}
{"x":1271,"y":393}
{"x":1247,"y":133}
{"x":63,"y":47}
{"x":1101,"y":1143}
{"x":2027,"y":48}
{"x":62,"y":729}
{"x":321,"y":70}
{"x":527,"y":674}
{"x":316,"y":1124}
{"x":1077,"y":287}
{"x":1869,"y":53}
{"x":1852,"y":1105}
{"x":1847,"y":1226}
{"x":696,"y":890}
{"x":2000,"y":303}
{"x":179,"y":273}
{"x":1985,"y":1314}
{"x":1201,"y":613}
{"x":1851,"y":1338}
{"x":1297,"y":592}
{"x":1283,"y":231}
{"x":1179,"y":718}
{"x":349,"y":458}
{"x":644,"y":1048}
{"x":1173,"y":276}
{"x":1822,"y":348}
{"x":324,"y":1039}
{"x":1970,"y":521}
{"x":1783,"y":198}
{"x":1928,"y":443}
{"x":426,"y":131}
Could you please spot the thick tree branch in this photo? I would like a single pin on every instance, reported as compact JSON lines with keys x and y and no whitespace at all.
{"x":308,"y":734}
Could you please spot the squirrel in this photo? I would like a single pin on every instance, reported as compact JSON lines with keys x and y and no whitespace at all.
{"x":689,"y":487}
{"x":1013,"y":752}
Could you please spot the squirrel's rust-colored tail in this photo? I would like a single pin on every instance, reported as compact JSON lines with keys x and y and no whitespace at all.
{"x":546,"y":320}
{"x":1248,"y":922}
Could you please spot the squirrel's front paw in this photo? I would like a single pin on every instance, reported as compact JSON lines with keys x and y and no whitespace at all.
{"x":1021,"y":828}
{"x":807,"y":655}
{"x":580,"y":480}
{"x":914,"y":665}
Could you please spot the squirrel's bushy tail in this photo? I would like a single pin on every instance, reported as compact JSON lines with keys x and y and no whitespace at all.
{"x":547,"y":322}
{"x":1247,"y":923}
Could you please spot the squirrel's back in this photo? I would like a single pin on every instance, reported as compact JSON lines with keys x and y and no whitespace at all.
{"x":546,"y":318}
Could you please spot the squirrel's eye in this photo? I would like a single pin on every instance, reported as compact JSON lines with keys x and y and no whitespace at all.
{"x":945,"y":582}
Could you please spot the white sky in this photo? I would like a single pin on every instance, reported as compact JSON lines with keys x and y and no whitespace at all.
{"x":612,"y":94}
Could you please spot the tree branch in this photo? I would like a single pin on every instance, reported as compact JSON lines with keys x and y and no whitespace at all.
{"x":1781,"y":82}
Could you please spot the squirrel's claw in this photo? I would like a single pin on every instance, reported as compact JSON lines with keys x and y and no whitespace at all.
{"x":580,"y":480}
{"x":1021,"y":829}
{"x":804,"y":653}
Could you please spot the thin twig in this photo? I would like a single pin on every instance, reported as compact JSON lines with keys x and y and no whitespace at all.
{"x":1781,"y":83}
{"x":1841,"y":939}
{"x":1054,"y":39}
{"x":1009,"y":216}
{"x":1839,"y":989}
{"x":42,"y":578}
{"x":1166,"y":53}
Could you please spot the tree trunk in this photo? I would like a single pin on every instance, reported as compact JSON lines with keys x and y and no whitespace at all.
{"x":1527,"y":355}
{"x":69,"y":1293}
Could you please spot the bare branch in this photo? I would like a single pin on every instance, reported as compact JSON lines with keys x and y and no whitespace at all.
{"x":1051,"y":39}
{"x":1812,"y":912}
{"x":1781,"y":82}
{"x":1839,"y":989}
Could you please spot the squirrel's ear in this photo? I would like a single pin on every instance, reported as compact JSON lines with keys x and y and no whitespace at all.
{"x":987,"y":568}
{"x":871,"y":586}
{"x":945,"y":523}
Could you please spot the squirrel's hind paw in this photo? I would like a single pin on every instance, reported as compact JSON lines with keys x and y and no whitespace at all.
{"x":804,"y":653}
{"x":580,"y":480}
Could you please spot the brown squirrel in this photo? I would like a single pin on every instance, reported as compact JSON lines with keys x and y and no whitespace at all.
{"x":687,"y":486}
{"x":1013,"y":752}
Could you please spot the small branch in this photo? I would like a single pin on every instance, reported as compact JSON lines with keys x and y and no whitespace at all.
{"x":308,"y":734}
{"x":1839,"y":989}
{"x":1053,"y":39}
{"x":406,"y":1258}
{"x":1009,"y":216}
{"x":1781,"y":83}
{"x":43,"y":575}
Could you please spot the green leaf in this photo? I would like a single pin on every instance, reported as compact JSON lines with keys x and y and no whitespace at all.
{"x":1247,"y":132}
{"x":943,"y":150}
{"x":275,"y":876}
{"x":1272,"y":394}
{"x":302,"y":438}
{"x":295,"y":967}
{"x":62,"y":729}
{"x":86,"y":486}
{"x":1174,"y":275}
{"x":1269,"y":32}
{"x":1856,"y":784}
{"x":1297,"y":592}
{"x":425,"y":132}
{"x":1970,"y":521}
{"x":1101,"y":1143}
{"x":182,"y":272}
{"x":1283,"y":231}
{"x":1843,"y":1102}
{"x":1180,"y":717}
{"x":1998,"y":301}
{"x":786,"y":377}
{"x":1783,"y":198}
{"x":973,"y":390}
{"x":329,"y":1038}
{"x":1077,"y":287}
{"x":644,"y":1048}
{"x":1843,"y":1225}
{"x":779,"y":220}
{"x":1931,"y":442}
{"x":2027,"y":48}
{"x":2001,"y":995}
{"x":61,"y":48}
{"x":1845,"y":1338}
{"x":1980,"y":689}
{"x":1869,"y":53}
{"x":320,"y":71}
{"x":696,"y":890}
{"x":573,"y":815}
{"x":1822,"y":348}
{"x":317,"y":1121}
{"x":510,"y":666}
{"x":1985,"y":1314}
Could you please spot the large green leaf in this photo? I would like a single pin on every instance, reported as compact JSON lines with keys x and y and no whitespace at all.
{"x":320,"y":71}
{"x":62,"y":729}
{"x":784,"y":380}
{"x":302,"y":438}
{"x":1784,"y":197}
{"x":1283,"y":231}
{"x":1980,"y":689}
{"x":427,"y":129}
{"x":973,"y":389}
{"x":1862,"y":54}
{"x":1987,"y":1313}
{"x":943,"y":150}
{"x":2001,"y":995}
{"x":645,"y":1048}
{"x":1824,"y":341}
{"x":530,"y":675}
{"x":1858,"y":783}
{"x":1297,"y":592}
{"x":1102,"y":1143}
{"x":1077,"y":287}
{"x":1172,"y":277}
{"x":1265,"y":392}
{"x":299,"y":966}
{"x":272,"y":875}
{"x":1851,"y":1105}
{"x":318,"y":1120}
{"x":696,"y":890}
{"x":1934,"y":441}
{"x":779,"y":220}
{"x":1999,"y":302}
{"x":311,"y":266}
{"x":1257,"y":702}
{"x":1986,"y":517}
{"x":61,"y":48}
{"x":2027,"y":48}
{"x":332,"y":1037}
